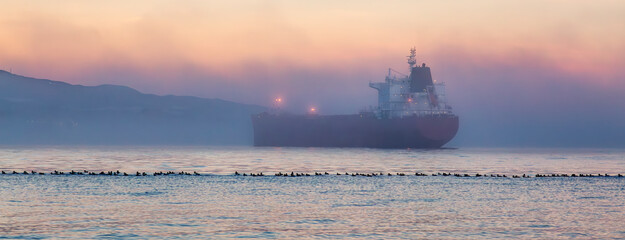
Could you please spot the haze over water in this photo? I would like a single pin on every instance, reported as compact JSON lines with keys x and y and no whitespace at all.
{"x":220,"y":205}
{"x":518,"y":73}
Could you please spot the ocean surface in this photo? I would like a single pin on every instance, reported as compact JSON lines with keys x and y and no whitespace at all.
{"x":218,"y":204}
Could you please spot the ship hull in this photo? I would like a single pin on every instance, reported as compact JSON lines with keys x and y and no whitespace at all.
{"x":356,"y":130}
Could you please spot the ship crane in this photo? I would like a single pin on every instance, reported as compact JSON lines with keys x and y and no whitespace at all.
{"x":390,"y":70}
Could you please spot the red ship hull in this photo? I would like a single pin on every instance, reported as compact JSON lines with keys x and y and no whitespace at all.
{"x":353,"y":131}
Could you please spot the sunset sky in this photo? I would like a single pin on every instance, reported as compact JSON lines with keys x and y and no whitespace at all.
{"x":518,"y":72}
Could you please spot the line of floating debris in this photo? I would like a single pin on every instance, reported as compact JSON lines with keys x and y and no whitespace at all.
{"x":295,"y":174}
{"x":109,"y":173}
{"x":299,"y":174}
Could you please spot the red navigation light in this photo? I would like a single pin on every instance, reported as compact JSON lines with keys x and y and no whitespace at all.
{"x":313,"y":110}
{"x":278,"y":100}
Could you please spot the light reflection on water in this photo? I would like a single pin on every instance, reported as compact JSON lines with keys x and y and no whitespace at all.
{"x":225,"y":206}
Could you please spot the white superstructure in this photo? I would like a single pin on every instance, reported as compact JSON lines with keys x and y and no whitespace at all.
{"x":417,"y":94}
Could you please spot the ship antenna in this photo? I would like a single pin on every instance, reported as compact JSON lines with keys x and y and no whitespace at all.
{"x":412,"y":60}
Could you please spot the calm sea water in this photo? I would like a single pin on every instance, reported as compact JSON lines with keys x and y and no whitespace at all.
{"x":220,"y":205}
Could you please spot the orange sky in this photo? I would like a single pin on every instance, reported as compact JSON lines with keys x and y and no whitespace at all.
{"x":60,"y":39}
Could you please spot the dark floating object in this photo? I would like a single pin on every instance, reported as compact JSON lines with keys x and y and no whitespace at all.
{"x":297,"y":174}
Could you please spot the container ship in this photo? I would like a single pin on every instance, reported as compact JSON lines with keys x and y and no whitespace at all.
{"x":412,"y":112}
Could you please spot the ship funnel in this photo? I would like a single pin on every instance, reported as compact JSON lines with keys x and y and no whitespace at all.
{"x":420,"y":78}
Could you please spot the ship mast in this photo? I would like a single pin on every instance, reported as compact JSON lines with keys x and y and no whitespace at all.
{"x":412,"y":60}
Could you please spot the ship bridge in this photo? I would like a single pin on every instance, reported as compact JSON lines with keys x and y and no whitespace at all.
{"x":409,"y":95}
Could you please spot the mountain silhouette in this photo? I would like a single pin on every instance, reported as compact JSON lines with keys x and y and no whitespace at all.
{"x":40,"y":111}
